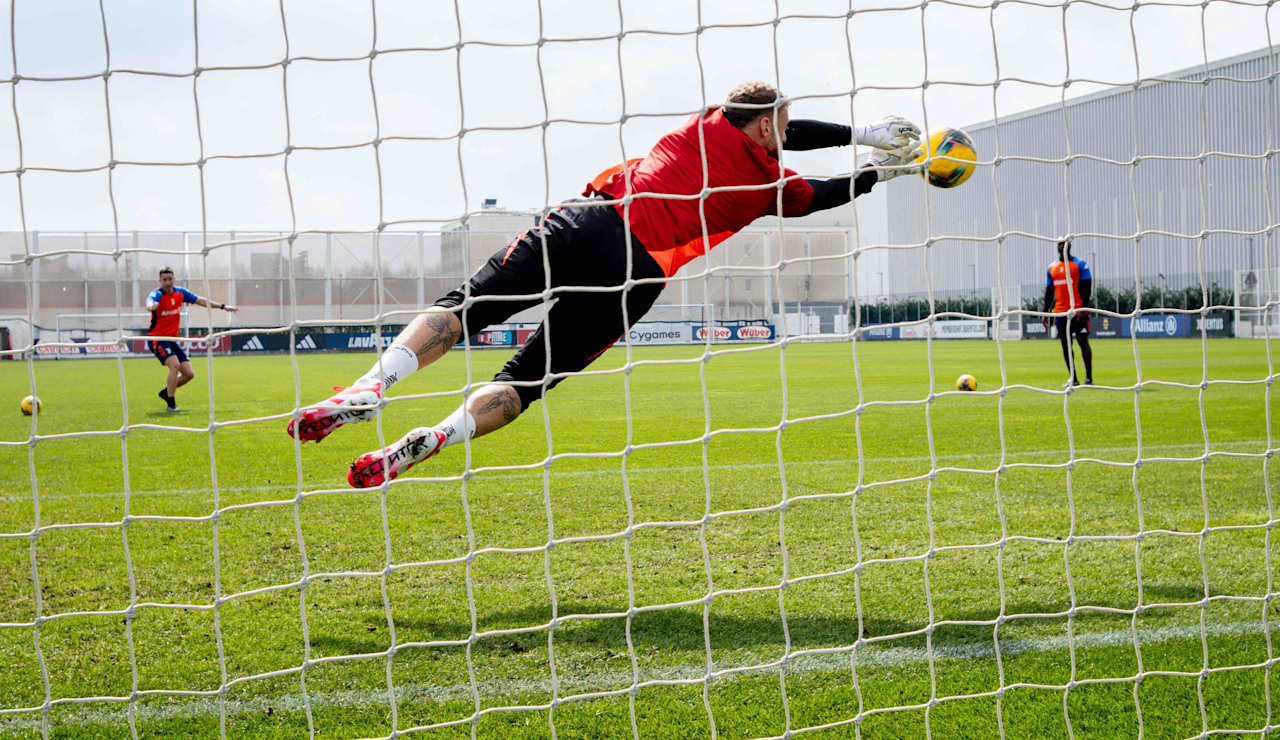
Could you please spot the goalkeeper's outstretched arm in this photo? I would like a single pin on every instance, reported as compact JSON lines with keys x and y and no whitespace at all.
{"x":880,"y":167}
{"x":804,"y":135}
{"x":894,"y":132}
{"x":836,"y":191}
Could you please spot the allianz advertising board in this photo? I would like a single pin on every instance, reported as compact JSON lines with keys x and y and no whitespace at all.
{"x":1157,"y":325}
{"x":1146,"y":326}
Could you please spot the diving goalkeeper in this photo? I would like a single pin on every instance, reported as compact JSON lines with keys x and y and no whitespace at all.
{"x":605,"y":260}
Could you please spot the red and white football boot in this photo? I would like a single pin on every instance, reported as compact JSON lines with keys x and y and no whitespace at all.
{"x":371,"y":469}
{"x":350,"y":405}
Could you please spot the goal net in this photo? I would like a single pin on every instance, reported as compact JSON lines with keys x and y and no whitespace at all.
{"x":770,"y":510}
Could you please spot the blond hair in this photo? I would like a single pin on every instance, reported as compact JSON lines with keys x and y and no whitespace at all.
{"x":753,"y":94}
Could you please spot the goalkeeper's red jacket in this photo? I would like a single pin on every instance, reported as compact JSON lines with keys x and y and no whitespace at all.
{"x":671,"y":229}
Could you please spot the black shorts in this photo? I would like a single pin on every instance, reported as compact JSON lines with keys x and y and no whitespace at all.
{"x":164,"y":350}
{"x":1079,"y":324}
{"x":585,"y":247}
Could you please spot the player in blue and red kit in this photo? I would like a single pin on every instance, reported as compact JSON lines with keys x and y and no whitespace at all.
{"x":165,"y":304}
{"x":1069,"y":286}
{"x":606,"y":259}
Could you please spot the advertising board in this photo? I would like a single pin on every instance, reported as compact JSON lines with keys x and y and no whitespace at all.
{"x":952,"y":329}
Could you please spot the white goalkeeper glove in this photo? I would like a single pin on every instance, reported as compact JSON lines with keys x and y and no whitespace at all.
{"x":894,"y":132}
{"x":890,"y":164}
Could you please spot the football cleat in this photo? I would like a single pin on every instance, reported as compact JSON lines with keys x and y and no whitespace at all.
{"x":372,"y":469}
{"x":354,"y":404}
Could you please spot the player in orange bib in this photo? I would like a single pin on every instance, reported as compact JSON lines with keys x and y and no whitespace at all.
{"x":1068,"y":286}
{"x":165,"y":304}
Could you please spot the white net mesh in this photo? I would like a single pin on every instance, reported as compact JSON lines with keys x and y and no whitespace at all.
{"x":749,"y":534}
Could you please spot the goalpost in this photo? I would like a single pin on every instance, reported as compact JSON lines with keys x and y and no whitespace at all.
{"x":1257,"y":303}
{"x":807,"y":533}
{"x":702,"y":313}
{"x":1006,"y":302}
{"x":97,"y":327}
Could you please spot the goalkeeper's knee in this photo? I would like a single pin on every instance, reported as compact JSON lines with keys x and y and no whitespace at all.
{"x":528,"y":390}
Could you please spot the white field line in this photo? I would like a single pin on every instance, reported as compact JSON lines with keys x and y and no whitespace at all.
{"x":631,"y":470}
{"x":870,"y":656}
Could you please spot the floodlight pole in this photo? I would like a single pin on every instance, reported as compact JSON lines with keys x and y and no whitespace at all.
{"x":328,"y":277}
{"x":35,"y":287}
{"x":232,"y":293}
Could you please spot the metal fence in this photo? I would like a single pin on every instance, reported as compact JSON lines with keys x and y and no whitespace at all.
{"x":360,"y":278}
{"x":95,"y":283}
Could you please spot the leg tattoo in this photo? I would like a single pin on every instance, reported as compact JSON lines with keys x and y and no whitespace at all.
{"x":505,"y":400}
{"x":441,"y":334}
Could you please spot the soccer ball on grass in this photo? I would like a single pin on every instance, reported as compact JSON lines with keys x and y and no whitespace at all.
{"x":30,"y":405}
{"x":966,"y":383}
{"x":949,"y":158}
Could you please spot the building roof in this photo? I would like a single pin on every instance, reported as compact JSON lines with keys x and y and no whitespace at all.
{"x":1194,"y":72}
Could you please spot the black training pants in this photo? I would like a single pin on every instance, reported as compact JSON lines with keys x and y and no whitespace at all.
{"x":586,"y":248}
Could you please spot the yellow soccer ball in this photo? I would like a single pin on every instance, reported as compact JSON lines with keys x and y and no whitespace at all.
{"x":953,"y":158}
{"x":966,"y":383}
{"x":30,"y":405}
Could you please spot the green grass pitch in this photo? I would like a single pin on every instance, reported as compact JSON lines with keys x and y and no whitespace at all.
{"x":843,"y":559}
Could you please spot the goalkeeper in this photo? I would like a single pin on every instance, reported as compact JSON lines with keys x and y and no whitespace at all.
{"x":604,"y":261}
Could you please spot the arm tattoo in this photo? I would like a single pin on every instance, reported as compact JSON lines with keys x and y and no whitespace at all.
{"x":507,"y":400}
{"x":442,"y":332}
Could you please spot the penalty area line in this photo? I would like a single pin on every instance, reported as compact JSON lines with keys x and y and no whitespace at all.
{"x":517,"y":474}
{"x":179,"y":708}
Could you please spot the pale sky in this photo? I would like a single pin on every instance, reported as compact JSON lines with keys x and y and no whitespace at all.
{"x":661,"y":65}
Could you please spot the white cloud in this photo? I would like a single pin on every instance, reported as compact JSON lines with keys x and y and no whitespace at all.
{"x":330,"y":103}
{"x":654,"y":78}
{"x":153,"y":118}
{"x":63,"y":124}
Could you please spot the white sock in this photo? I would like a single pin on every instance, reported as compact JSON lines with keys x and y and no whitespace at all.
{"x":459,"y":426}
{"x":397,"y":363}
